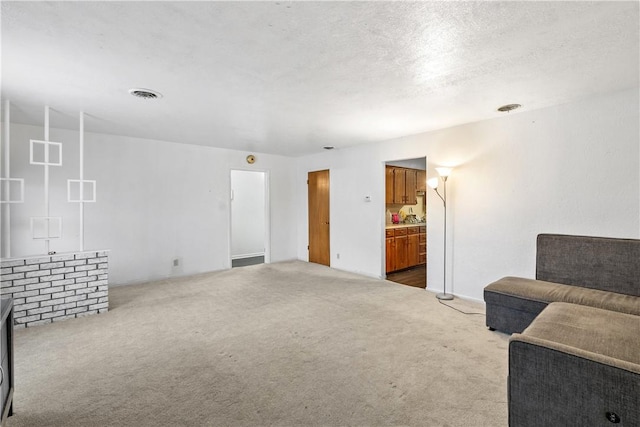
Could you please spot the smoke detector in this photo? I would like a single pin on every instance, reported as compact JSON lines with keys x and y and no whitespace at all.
{"x":145,"y":93}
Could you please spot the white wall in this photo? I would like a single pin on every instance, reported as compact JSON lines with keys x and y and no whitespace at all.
{"x":571,"y":169}
{"x":247,"y":214}
{"x":156,"y":201}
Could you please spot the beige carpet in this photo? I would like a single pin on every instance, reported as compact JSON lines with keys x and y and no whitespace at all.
{"x":285,"y":344}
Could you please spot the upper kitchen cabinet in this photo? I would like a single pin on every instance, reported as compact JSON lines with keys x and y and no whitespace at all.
{"x":401,"y":185}
{"x":411,"y":179}
{"x":398,"y":186}
{"x":422,"y":181}
{"x":389,"y":185}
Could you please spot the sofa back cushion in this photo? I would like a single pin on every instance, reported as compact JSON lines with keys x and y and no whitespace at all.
{"x":602,"y":263}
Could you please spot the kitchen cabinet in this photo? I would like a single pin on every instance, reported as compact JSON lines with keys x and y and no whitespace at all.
{"x":422,"y":240}
{"x":421,"y":184}
{"x":398,"y":186}
{"x":413,"y":247}
{"x":410,"y":189}
{"x":401,"y":185}
{"x":390,"y":251}
{"x":389,"y":183}
{"x":403,"y":248}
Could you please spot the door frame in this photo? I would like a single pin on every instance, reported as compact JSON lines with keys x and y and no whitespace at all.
{"x":383,"y":236}
{"x":267,"y":214}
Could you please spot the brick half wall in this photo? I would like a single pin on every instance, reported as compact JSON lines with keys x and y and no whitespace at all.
{"x":51,"y":288}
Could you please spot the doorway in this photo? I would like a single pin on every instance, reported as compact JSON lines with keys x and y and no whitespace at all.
{"x":249,"y":218}
{"x":405,"y":259}
{"x":319,"y":227}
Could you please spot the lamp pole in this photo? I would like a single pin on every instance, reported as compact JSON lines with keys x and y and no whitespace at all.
{"x":433,"y":183}
{"x":444,"y":295}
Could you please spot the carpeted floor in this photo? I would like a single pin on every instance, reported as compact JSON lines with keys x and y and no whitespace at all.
{"x":284,"y":344}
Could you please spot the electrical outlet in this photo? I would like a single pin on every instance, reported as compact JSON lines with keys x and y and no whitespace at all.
{"x":338,"y":256}
{"x":177,"y":266}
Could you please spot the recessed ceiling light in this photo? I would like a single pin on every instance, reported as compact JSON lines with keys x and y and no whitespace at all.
{"x":509,"y":107}
{"x":145,"y":93}
{"x":328,"y":147}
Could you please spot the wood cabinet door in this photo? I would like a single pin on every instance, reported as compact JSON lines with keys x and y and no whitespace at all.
{"x":421,"y":184}
{"x":423,"y":245}
{"x":389,"y":185}
{"x":391,"y":254}
{"x":398,"y":186}
{"x":410,"y":182}
{"x":413,"y":249}
{"x":402,"y":258}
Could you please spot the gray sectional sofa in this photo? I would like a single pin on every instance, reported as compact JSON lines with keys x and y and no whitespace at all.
{"x":593,"y":271}
{"x":574,"y":356}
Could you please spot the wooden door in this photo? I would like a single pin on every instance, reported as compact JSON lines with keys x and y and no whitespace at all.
{"x":318,"y":193}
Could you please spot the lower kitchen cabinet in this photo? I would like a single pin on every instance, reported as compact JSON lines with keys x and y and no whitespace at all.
{"x":423,"y":245}
{"x":404,"y":248}
{"x":402,"y":252}
{"x":401,"y":249}
{"x":391,"y":252}
{"x":413,"y":250}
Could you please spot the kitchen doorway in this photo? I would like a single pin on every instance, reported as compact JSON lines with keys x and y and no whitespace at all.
{"x":406,"y":222}
{"x":249,"y":218}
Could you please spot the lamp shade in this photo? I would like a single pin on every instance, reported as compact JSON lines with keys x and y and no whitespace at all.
{"x":433,"y":183}
{"x":444,"y":172}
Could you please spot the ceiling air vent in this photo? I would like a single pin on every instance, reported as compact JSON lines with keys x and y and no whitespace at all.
{"x":145,"y":93}
{"x":508,"y":107}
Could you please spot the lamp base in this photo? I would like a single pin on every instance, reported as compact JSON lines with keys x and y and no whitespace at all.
{"x":444,"y":296}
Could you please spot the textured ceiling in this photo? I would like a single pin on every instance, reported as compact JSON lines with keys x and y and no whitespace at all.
{"x":291,"y":77}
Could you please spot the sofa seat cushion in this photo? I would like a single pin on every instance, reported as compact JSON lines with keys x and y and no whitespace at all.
{"x":588,"y":332}
{"x":548,"y":292}
{"x":575,"y":366}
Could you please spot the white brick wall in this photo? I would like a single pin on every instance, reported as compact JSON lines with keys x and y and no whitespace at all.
{"x":57,"y":287}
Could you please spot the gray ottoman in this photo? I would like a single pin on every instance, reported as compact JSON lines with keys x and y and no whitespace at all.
{"x":575,"y":366}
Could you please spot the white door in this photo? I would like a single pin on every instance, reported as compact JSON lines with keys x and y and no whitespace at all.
{"x":248,"y":217}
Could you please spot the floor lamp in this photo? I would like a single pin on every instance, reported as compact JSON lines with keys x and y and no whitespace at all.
{"x":433,"y":183}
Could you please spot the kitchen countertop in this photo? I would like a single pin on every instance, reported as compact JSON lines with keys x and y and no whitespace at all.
{"x":394,"y":226}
